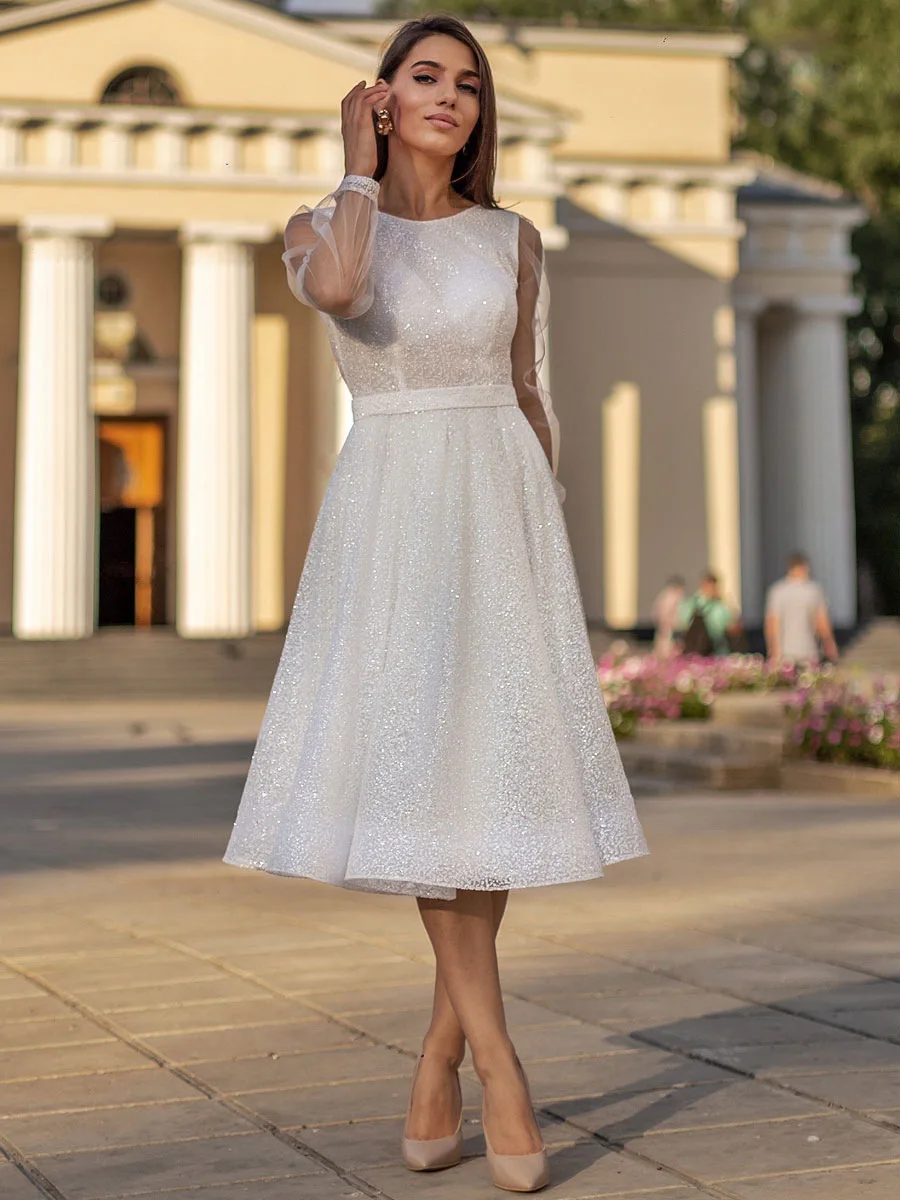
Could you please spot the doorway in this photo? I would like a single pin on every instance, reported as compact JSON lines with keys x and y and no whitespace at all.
{"x":132,"y":564}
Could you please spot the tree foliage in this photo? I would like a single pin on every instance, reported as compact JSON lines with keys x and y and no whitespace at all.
{"x":819,"y":89}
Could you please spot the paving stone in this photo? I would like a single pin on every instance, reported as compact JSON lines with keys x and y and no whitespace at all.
{"x":65,"y":1031}
{"x":14,"y":987}
{"x":257,"y":941}
{"x":16,"y":1186}
{"x":563,"y":1041}
{"x":865,"y":1091}
{"x":619,"y":1116}
{"x":70,"y":1060}
{"x":77,"y":980}
{"x":745,"y":1027}
{"x":847,"y":1053}
{"x":313,"y":1106}
{"x":644,"y":1012}
{"x":756,"y":981}
{"x":874,"y":993}
{"x":163,"y":995}
{"x":92,"y":1091}
{"x":348,"y":1001}
{"x":405,"y":1028}
{"x":377,"y":1143}
{"x":305,"y":1070}
{"x":294,"y":1187}
{"x":595,"y":976}
{"x":770,"y":1148}
{"x":880,"y":1023}
{"x":98,"y":1129}
{"x":128,"y":1170}
{"x":313,"y":1033}
{"x":627,"y":1071}
{"x":227,"y":1014}
{"x":854,"y":1183}
{"x":578,"y":1172}
{"x":326,"y":960}
{"x":40,"y":1007}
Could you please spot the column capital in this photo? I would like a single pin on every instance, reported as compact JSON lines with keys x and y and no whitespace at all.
{"x":827,"y":305}
{"x":59,"y":225}
{"x":248,"y":232}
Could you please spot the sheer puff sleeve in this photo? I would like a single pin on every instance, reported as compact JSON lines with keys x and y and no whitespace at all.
{"x":529,"y":346}
{"x":329,"y":249}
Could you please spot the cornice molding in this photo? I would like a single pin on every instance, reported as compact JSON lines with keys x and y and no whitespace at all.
{"x":556,"y":37}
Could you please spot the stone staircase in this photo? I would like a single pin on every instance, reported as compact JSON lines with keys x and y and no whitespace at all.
{"x":740,"y":749}
{"x":152,"y":664}
{"x":876,"y":649}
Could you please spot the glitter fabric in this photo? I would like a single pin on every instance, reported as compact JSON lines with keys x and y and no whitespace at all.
{"x":360,"y":183}
{"x":435,"y":722}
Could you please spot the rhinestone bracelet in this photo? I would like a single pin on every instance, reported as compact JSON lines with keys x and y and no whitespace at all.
{"x":360,"y":183}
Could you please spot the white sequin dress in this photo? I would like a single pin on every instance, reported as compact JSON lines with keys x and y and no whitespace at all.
{"x":435,"y":721}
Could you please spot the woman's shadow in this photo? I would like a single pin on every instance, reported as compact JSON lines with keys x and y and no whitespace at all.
{"x":732,"y":1047}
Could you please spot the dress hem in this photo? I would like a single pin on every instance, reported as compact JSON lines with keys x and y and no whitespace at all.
{"x":431,"y":888}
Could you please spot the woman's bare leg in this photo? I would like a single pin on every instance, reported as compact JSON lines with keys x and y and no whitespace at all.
{"x":436,"y":1103}
{"x":463,"y":932}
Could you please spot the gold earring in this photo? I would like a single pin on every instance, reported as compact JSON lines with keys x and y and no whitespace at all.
{"x":383,"y":124}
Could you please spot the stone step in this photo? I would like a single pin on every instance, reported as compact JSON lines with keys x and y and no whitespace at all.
{"x":705,"y":737}
{"x":717,"y":772}
{"x":153,"y":664}
{"x":827,"y":778}
{"x":649,"y":785}
{"x":876,"y":648}
{"x":760,"y":710}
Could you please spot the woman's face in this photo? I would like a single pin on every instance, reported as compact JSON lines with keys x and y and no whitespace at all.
{"x":434,"y":100}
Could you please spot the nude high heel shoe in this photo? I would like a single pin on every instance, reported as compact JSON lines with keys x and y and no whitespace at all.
{"x":518,"y":1172}
{"x":433,"y":1154}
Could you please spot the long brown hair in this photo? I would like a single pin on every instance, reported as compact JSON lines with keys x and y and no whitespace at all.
{"x":476,"y":164}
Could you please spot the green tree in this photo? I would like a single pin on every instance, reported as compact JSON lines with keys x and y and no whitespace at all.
{"x":818,"y":88}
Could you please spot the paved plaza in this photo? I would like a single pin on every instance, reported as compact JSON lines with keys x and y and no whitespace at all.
{"x":720,"y":1019}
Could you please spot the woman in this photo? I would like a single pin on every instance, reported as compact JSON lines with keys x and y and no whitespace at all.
{"x":435,"y":727}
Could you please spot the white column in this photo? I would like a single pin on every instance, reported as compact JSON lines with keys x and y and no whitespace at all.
{"x":823,"y":473}
{"x":214,"y":565}
{"x":55,"y":474}
{"x":747,"y":310}
{"x":621,"y":504}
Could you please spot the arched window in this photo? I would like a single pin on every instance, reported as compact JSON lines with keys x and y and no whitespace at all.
{"x":141,"y":85}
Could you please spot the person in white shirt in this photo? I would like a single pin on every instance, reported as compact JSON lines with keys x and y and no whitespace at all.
{"x":798,"y":626}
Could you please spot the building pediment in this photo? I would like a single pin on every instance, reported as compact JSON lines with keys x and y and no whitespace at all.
{"x":221,"y":54}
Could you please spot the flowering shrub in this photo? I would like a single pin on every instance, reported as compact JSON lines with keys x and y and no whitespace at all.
{"x":639,"y":688}
{"x":643,"y":688}
{"x":840,"y":723}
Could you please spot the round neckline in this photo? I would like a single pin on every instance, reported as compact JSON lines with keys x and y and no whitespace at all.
{"x":428,"y":220}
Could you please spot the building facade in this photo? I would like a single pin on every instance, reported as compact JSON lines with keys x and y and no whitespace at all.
{"x":169,"y":415}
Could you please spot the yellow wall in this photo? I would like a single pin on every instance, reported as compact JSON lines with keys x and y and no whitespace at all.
{"x":637,"y":107}
{"x":613,"y":296}
{"x":214,"y":64}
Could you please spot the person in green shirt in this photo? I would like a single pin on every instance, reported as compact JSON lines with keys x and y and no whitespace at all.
{"x":717,"y":617}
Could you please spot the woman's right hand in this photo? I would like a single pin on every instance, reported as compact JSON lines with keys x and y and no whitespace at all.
{"x":358,"y":126}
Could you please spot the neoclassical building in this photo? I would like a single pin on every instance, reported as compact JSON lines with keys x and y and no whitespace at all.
{"x":169,"y":415}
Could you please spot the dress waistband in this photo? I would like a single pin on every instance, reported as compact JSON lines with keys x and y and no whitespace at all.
{"x":479,"y":395}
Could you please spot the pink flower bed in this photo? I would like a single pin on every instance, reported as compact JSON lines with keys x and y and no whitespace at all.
{"x":642,"y":688}
{"x":840,"y":723}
